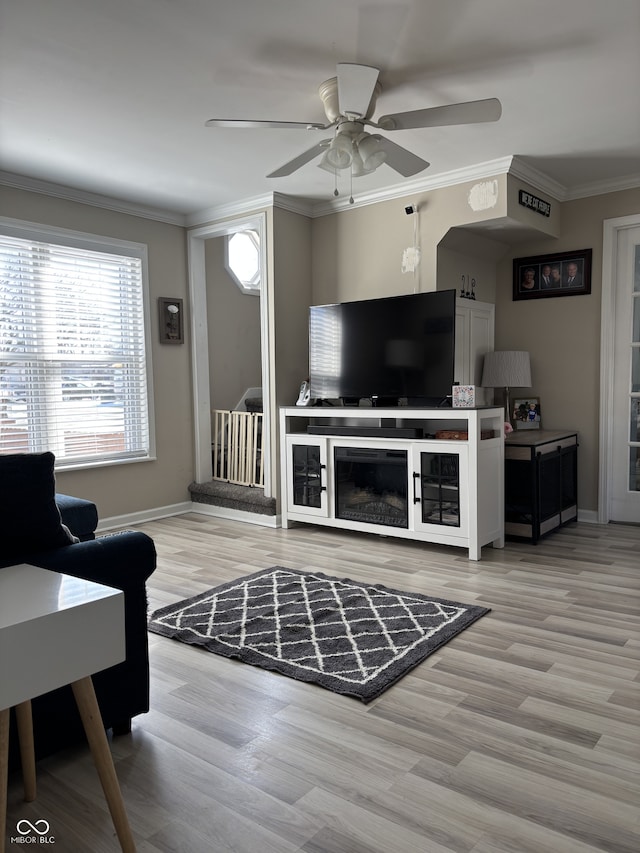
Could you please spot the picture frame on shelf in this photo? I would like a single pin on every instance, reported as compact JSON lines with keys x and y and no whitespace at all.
{"x":463,"y":396}
{"x":553,"y":274}
{"x":526,"y":413}
{"x":171,"y":320}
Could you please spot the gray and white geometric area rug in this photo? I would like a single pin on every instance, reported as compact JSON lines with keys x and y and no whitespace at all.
{"x":350,"y":637}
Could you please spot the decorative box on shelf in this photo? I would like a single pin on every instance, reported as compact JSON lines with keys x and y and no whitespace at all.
{"x":463,"y":396}
{"x":462,"y":435}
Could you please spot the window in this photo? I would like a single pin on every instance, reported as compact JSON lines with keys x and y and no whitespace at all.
{"x":73,"y":347}
{"x":243,"y":260}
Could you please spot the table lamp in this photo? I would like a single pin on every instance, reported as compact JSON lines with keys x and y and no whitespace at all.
{"x":506,"y":369}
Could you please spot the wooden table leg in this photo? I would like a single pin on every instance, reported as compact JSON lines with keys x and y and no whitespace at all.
{"x":4,"y":770}
{"x":85,"y":697}
{"x":24,"y":719}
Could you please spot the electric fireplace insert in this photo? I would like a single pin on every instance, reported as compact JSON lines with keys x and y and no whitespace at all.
{"x":371,"y":485}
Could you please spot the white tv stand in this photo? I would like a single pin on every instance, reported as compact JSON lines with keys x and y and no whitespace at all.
{"x":440,"y":480}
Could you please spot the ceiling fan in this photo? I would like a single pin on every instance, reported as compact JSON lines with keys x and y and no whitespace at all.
{"x":349,"y":101}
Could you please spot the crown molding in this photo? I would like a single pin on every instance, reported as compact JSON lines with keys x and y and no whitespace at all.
{"x":294,"y":204}
{"x":541,"y":181}
{"x":216,"y":213}
{"x":511,"y":165}
{"x":478,"y":171}
{"x":35,"y":185}
{"x":628,"y":182}
{"x":249,"y":205}
{"x":537,"y":179}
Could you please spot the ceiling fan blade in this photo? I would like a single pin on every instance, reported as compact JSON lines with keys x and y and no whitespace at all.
{"x":472,"y":112}
{"x":356,"y":84}
{"x":400,"y":159}
{"x":238,"y":122}
{"x":300,"y":160}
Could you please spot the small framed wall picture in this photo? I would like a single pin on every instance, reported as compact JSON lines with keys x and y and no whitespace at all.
{"x":526,"y":413}
{"x":171,"y":319}
{"x":558,"y":274}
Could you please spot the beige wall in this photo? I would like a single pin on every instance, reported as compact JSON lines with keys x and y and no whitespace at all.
{"x":562,"y":334}
{"x":292,"y":297}
{"x":550,"y":225}
{"x":233,"y":324}
{"x":357,"y":254}
{"x":453,"y":265}
{"x":133,"y":487}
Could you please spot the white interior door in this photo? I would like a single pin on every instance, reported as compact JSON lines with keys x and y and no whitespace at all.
{"x":624,"y":503}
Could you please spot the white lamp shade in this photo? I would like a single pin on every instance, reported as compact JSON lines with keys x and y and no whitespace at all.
{"x":506,"y":369}
{"x":340,"y":151}
{"x":357,"y":166}
{"x":326,"y":165}
{"x":371,"y":152}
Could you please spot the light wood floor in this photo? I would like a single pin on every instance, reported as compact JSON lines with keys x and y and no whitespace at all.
{"x":519,"y":736}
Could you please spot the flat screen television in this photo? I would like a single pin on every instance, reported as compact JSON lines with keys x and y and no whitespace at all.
{"x":384,"y":349}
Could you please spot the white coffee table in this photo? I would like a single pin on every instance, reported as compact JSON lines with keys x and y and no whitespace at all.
{"x":56,"y":630}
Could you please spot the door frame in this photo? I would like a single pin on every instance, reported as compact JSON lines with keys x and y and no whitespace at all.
{"x":196,"y":238}
{"x":611,"y":230}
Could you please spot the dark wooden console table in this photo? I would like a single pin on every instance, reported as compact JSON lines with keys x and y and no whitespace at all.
{"x":541,"y":481}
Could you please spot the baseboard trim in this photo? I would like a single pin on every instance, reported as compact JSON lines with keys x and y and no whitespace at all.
{"x":132,"y":518}
{"x":236,"y":515}
{"x":117,"y":522}
{"x":589,"y":516}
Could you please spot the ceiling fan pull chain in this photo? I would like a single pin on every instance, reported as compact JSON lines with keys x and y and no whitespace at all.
{"x":351,"y":184}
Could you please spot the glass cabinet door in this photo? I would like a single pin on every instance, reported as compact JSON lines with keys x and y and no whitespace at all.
{"x":440,"y":488}
{"x":307,"y":476}
{"x":438,"y":498}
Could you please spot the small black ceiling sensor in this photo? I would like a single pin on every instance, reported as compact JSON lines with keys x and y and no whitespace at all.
{"x":411,"y":208}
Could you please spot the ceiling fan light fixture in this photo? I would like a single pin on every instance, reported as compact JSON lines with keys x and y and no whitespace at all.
{"x":340,"y":151}
{"x":359,"y":167}
{"x":326,"y":165}
{"x":371,"y":152}
{"x":349,"y":100}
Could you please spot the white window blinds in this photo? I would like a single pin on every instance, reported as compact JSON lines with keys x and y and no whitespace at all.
{"x":73,"y":366}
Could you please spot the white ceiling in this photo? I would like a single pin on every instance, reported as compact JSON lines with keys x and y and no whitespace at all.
{"x":111,"y":96}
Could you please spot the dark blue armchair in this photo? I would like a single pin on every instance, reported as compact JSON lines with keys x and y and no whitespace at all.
{"x":122,"y":560}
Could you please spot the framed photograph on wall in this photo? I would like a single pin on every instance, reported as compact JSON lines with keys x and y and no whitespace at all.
{"x":559,"y":274}
{"x":171,"y":320}
{"x":526,"y":413}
